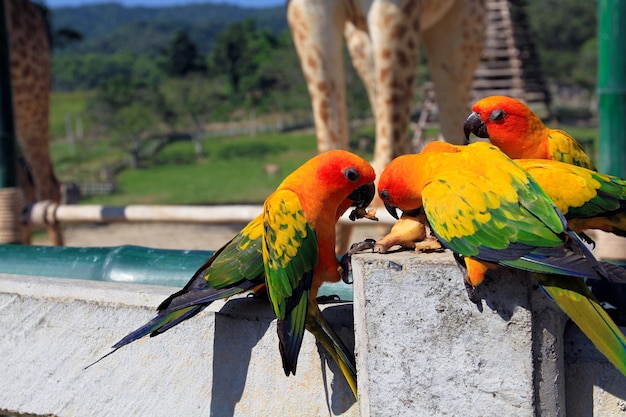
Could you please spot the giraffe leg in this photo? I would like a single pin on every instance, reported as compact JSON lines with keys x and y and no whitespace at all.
{"x":317,"y":31}
{"x":395,"y":45}
{"x":30,"y":79}
{"x":360,"y":47}
{"x":394,"y":34}
{"x":453,"y":45}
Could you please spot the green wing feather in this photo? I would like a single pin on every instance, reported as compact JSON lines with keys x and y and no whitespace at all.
{"x":575,"y":299}
{"x":241,"y":258}
{"x":502,"y":210}
{"x":290,"y":254}
{"x":578,"y":192}
{"x":233,"y":269}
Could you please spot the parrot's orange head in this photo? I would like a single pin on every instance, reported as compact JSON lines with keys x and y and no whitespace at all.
{"x":508,"y":123}
{"x":398,"y":188}
{"x":334,"y":176}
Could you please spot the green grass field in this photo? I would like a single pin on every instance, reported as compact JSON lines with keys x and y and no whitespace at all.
{"x":232,"y":170}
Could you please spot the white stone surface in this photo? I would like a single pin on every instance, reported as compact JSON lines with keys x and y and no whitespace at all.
{"x":430,"y":351}
{"x":224,"y":362}
{"x":423,"y":349}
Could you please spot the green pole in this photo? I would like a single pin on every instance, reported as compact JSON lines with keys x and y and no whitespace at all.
{"x":7,"y":128}
{"x":612,"y":86}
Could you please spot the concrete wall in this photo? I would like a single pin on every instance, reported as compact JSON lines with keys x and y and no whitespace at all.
{"x":423,"y":349}
{"x":224,"y":362}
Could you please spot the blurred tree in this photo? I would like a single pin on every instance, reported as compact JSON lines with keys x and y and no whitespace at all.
{"x":561,"y":28}
{"x":132,"y":124}
{"x":130,"y":109}
{"x":180,"y":57}
{"x":238,"y":51}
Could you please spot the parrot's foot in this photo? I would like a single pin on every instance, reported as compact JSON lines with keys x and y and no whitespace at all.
{"x":430,"y":244}
{"x":471,"y":293}
{"x":345,"y":262}
{"x":587,"y":239}
{"x":324,"y":299}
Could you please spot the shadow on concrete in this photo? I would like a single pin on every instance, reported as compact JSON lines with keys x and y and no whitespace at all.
{"x":230,"y":365}
{"x":505,"y":299}
{"x":243,"y":323}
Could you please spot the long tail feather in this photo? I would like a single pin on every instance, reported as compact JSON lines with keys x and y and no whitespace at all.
{"x":616,"y":273}
{"x":178,"y":308}
{"x":574,"y":298}
{"x":343,"y":357}
{"x":156,"y":326}
{"x":290,"y":334}
{"x":561,"y":263}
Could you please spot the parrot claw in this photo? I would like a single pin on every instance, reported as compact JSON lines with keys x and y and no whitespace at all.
{"x":324,"y":299}
{"x":587,"y":239}
{"x":345,"y":262}
{"x":471,"y":293}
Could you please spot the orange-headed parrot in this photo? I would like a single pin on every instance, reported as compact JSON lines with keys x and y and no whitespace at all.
{"x":239,"y":265}
{"x":299,"y":242}
{"x":513,"y":127}
{"x":485,"y":207}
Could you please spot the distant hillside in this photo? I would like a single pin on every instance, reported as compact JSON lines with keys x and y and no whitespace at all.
{"x":111,"y":27}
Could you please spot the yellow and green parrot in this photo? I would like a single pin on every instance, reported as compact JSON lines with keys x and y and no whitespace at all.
{"x":299,"y":243}
{"x":587,"y":198}
{"x":513,"y":127}
{"x":239,"y":266}
{"x":485,"y":207}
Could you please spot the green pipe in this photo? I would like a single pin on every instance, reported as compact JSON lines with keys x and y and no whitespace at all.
{"x":133,"y":264}
{"x":130,"y":264}
{"x":612,"y":86}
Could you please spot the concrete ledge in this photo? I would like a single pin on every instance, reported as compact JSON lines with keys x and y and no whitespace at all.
{"x":225,"y":362}
{"x":424,"y":349}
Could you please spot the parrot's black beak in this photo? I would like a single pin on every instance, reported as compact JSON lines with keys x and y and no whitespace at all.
{"x":363,"y":195}
{"x":474,"y":124}
{"x":391,"y":209}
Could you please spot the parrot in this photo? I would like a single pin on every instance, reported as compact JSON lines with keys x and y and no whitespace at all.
{"x":496,"y":214}
{"x":298,"y":242}
{"x":513,"y":127}
{"x":587,"y":198}
{"x":238,"y":266}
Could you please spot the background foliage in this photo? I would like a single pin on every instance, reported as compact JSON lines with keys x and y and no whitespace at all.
{"x":142,"y":78}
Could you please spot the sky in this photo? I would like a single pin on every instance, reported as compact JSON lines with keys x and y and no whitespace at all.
{"x":159,"y":3}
